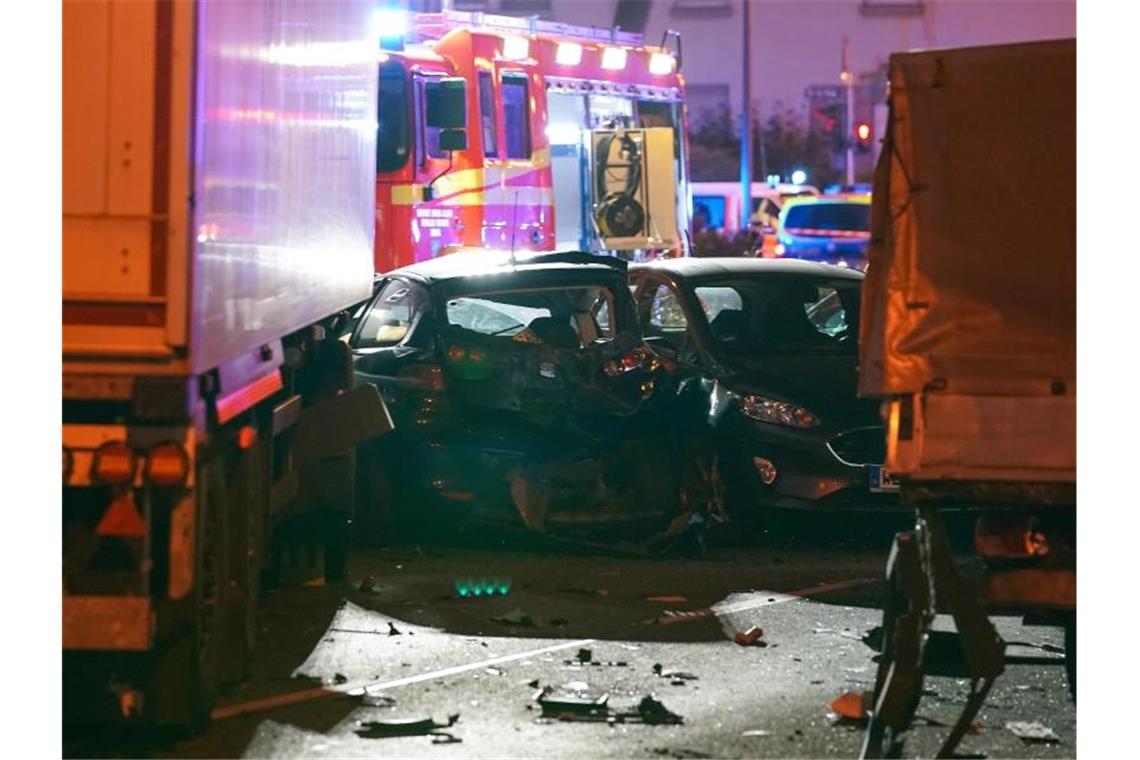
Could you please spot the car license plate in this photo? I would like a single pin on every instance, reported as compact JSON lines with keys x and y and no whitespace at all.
{"x":882,"y":481}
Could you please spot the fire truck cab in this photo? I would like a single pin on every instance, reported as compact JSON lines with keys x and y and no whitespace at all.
{"x":520,"y":134}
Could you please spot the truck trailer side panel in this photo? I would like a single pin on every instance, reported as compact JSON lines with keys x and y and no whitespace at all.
{"x":972,"y":269}
{"x":286,"y":111}
{"x":969,"y":305}
{"x":211,"y":199}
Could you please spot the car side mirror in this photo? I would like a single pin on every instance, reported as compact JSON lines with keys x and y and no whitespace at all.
{"x":446,"y":103}
{"x":453,"y":139}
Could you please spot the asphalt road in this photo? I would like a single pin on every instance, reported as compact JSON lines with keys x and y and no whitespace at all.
{"x":814,"y":595}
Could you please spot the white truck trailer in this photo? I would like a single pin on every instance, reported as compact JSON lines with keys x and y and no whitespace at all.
{"x":968,"y":333}
{"x":218,"y":202}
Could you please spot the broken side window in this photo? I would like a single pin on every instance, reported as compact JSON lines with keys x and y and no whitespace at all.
{"x":393,"y":311}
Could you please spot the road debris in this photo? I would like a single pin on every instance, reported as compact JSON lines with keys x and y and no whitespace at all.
{"x":393,"y":630}
{"x":379,"y":729}
{"x":676,"y":677}
{"x":492,"y":671}
{"x":753,"y":637}
{"x":1032,"y":733}
{"x":758,"y":732}
{"x":339,"y":678}
{"x":668,"y":599}
{"x":368,"y":585}
{"x":373,"y":696}
{"x":517,"y":616}
{"x":850,"y":707}
{"x":844,"y":634}
{"x":577,"y":704}
{"x":572,"y":707}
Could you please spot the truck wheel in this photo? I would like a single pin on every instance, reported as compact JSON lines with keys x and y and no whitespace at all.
{"x":377,"y":494}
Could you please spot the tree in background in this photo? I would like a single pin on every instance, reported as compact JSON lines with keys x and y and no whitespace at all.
{"x":783,"y":144}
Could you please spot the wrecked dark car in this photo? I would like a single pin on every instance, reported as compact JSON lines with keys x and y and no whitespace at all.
{"x":519,"y":388}
{"x":769,"y":350}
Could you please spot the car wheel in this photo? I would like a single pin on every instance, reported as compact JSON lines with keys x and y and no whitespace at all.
{"x":709,"y":488}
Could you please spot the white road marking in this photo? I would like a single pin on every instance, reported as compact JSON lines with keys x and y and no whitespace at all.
{"x":281,"y":700}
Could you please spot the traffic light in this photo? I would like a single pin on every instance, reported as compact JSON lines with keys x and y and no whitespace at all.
{"x":862,"y":137}
{"x":828,"y":120}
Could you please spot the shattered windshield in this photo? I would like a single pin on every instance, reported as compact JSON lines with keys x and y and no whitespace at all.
{"x":782,"y":314}
{"x":563,"y":317}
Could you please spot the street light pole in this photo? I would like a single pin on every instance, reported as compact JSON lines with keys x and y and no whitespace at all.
{"x":849,"y":85}
{"x":746,"y":125}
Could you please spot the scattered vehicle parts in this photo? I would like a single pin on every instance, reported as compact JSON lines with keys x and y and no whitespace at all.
{"x":753,"y":637}
{"x":673,"y":675}
{"x":378,"y":729}
{"x":517,"y":616}
{"x":579,"y":705}
{"x":1032,"y":732}
{"x":852,"y":705}
{"x":668,"y":599}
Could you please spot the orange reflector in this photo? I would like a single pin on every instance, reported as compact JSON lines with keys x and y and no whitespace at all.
{"x":122,"y":518}
{"x":114,"y":463}
{"x":247,"y":437}
{"x":167,"y":465}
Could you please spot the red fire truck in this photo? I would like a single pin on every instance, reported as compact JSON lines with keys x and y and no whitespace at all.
{"x":526,"y":135}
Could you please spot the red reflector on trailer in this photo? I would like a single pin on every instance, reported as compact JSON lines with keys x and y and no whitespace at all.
{"x":233,"y":404}
{"x":122,"y":518}
{"x":247,"y":437}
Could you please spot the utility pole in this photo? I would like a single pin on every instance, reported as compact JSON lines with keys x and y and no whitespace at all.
{"x":746,"y":125}
{"x":849,"y":118}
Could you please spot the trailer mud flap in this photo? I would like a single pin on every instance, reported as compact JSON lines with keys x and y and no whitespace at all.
{"x":339,"y":422}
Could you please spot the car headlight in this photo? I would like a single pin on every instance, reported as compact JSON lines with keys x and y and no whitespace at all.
{"x":776,"y":412}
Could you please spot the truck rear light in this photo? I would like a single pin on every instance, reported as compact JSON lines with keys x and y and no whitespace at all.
{"x":167,"y":464}
{"x":114,"y":464}
{"x":68,"y":464}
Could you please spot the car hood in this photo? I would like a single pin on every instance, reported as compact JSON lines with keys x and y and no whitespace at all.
{"x":825,"y":384}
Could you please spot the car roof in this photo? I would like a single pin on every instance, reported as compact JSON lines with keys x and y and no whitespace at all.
{"x":860,"y":199}
{"x":740,"y":266}
{"x":482,"y":262}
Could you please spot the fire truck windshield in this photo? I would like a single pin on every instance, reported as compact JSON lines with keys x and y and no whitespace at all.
{"x":392,"y":139}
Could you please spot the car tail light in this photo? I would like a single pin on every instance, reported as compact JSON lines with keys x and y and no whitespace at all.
{"x":114,"y":464}
{"x":766,"y":469}
{"x":421,"y":377}
{"x":641,"y":357}
{"x":462,"y":353}
{"x":167,"y":464}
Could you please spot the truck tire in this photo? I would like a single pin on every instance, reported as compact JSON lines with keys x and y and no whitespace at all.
{"x":375,"y":521}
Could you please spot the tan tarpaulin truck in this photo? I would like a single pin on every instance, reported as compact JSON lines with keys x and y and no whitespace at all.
{"x":968,"y":334}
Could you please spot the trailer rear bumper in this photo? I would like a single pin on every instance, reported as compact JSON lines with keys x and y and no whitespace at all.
{"x":118,"y":623}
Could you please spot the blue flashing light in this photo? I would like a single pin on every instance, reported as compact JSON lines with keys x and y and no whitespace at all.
{"x":390,"y":25}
